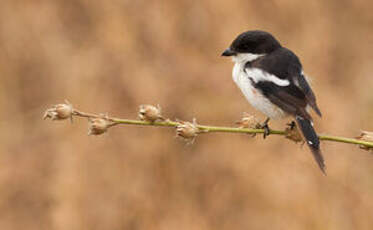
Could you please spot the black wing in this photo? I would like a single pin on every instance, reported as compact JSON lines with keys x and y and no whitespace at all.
{"x":284,"y":64}
{"x":310,"y":96}
{"x":289,"y":98}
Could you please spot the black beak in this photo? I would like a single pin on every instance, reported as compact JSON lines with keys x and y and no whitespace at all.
{"x":228,"y":52}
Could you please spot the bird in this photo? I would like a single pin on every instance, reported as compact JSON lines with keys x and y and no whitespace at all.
{"x":271,"y":78}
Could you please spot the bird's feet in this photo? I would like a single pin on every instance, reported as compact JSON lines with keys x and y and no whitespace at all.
{"x":291,"y":125}
{"x":265,"y":126}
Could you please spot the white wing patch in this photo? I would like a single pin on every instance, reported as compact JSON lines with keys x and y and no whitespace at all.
{"x":258,"y":75}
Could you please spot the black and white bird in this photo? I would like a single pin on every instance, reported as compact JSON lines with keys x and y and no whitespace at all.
{"x":271,"y":78}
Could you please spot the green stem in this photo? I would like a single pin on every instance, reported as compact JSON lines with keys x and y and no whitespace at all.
{"x":207,"y":129}
{"x":367,"y":144}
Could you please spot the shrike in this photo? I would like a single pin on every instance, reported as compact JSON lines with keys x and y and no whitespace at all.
{"x":272,"y":79}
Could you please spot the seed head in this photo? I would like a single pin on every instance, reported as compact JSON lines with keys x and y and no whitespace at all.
{"x":187,"y":130}
{"x":248,"y":121}
{"x":59,"y":112}
{"x":97,"y":126}
{"x":292,"y":133}
{"x":150,"y":113}
{"x":365,"y":136}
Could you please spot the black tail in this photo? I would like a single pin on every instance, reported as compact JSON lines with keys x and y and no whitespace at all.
{"x":312,"y":140}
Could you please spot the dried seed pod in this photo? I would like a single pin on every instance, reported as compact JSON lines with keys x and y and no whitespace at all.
{"x":59,"y":112}
{"x":365,"y":136}
{"x":248,"y":121}
{"x":187,"y":130}
{"x":292,"y":133}
{"x":150,"y":113}
{"x":97,"y":126}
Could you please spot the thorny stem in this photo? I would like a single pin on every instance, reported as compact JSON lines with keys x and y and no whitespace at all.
{"x":208,"y":129}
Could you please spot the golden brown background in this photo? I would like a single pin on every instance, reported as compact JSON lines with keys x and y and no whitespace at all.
{"x":111,"y":56}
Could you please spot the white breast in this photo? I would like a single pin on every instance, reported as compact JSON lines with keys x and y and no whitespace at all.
{"x":253,"y":95}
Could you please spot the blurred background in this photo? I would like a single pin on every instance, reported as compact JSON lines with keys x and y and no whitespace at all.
{"x":112,"y":56}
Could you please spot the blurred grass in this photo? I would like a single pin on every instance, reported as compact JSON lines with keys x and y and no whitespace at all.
{"x":111,"y":56}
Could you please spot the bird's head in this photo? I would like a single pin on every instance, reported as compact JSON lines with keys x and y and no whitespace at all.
{"x":250,"y":45}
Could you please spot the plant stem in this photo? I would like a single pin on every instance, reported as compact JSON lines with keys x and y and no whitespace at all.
{"x":208,"y":129}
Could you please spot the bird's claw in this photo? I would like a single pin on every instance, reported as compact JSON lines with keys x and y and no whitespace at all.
{"x":292,"y":125}
{"x":265,"y":126}
{"x":267,"y":131}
